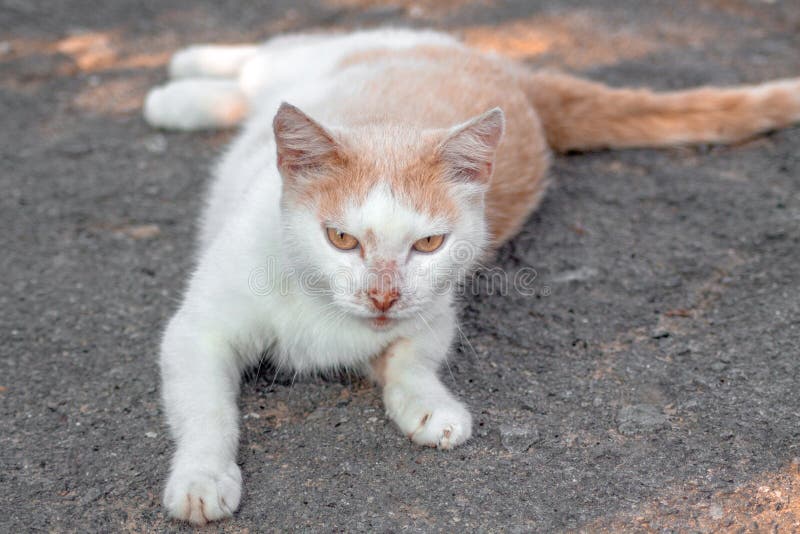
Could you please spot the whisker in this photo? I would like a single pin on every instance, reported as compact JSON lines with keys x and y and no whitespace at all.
{"x":277,"y":372}
{"x":464,"y":336}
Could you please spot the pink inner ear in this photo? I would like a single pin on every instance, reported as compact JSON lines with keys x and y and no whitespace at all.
{"x":470,"y":148}
{"x":301,"y":142}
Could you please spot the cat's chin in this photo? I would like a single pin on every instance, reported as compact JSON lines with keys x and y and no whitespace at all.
{"x":382,"y":322}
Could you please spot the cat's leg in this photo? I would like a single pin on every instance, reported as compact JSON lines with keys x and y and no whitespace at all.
{"x":287,"y":60}
{"x":210,"y":61}
{"x":414,"y":396}
{"x":196,"y":104}
{"x":200,"y":380}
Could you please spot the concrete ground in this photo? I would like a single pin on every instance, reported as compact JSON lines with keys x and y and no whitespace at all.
{"x":651,"y":384}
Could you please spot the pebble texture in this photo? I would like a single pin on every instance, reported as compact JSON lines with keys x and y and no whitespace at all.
{"x":649,"y":382}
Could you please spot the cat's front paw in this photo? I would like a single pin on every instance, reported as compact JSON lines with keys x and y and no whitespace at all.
{"x":200,"y":495}
{"x":434,"y":422}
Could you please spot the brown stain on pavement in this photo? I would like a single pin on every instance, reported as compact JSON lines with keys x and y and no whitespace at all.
{"x":768,"y":503}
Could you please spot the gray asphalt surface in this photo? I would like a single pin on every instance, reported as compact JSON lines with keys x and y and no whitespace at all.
{"x":650,"y":384}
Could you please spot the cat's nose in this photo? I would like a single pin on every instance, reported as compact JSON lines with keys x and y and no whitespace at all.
{"x":383,"y":300}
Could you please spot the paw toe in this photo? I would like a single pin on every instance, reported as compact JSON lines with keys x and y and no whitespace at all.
{"x":200,"y":497}
{"x":444,"y":428}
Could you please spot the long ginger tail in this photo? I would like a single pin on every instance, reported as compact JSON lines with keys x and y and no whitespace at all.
{"x":578,"y":114}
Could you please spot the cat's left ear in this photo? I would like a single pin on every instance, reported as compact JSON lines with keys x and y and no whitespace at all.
{"x":303,"y":144}
{"x":469,"y":149}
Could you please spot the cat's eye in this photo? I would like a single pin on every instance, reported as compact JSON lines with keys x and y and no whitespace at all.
{"x":341,"y":240}
{"x":429,"y":244}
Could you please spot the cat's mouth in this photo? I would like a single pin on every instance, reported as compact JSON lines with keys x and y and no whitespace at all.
{"x":381,"y":322}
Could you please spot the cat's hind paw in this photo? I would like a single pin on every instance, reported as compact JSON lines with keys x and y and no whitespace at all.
{"x":195,"y":104}
{"x":210,"y":61}
{"x":201,"y":495}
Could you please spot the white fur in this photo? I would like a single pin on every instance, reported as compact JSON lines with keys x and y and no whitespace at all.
{"x":246,"y":298}
{"x":293,"y":67}
{"x":210,"y":61}
{"x":196,"y":104}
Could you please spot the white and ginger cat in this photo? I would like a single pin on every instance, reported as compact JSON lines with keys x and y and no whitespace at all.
{"x":412,"y":158}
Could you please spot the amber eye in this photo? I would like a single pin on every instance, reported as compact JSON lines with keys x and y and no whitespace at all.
{"x":341,"y":240}
{"x":429,"y":244}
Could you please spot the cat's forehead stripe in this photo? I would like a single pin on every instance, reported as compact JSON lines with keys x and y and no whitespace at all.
{"x":428,"y":195}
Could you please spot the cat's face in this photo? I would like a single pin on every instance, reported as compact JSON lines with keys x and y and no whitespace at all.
{"x":382,"y":223}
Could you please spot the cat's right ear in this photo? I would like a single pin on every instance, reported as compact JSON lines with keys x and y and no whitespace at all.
{"x":303,"y":144}
{"x":469,"y":149}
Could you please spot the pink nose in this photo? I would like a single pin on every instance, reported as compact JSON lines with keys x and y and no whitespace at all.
{"x":383,"y":300}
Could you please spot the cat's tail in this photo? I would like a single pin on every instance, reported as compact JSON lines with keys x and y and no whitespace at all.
{"x":578,"y":114}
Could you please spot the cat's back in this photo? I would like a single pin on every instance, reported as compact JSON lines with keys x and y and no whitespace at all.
{"x":432,"y":86}
{"x":417,"y":81}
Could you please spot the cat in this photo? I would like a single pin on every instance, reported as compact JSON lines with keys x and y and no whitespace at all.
{"x":403,"y":155}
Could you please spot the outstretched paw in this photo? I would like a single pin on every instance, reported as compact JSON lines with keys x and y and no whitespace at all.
{"x":201,"y":495}
{"x":434,"y":422}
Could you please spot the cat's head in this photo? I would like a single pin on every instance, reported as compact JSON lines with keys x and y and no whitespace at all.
{"x":382,"y":220}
